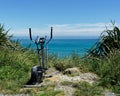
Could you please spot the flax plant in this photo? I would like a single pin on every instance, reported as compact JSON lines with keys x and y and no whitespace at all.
{"x":108,"y":42}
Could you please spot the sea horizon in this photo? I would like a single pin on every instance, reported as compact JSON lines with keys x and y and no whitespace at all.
{"x":63,"y":47}
{"x":59,"y":37}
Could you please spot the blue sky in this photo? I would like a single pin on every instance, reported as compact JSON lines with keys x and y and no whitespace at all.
{"x":68,"y":17}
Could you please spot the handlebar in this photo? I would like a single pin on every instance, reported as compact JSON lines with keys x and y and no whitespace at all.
{"x":40,"y":46}
{"x":51,"y":35}
{"x":51,"y":32}
{"x":30,"y":34}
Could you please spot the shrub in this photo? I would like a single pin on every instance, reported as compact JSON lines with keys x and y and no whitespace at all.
{"x":15,"y":68}
{"x":105,"y":60}
{"x":62,"y":64}
{"x":3,"y":35}
{"x":108,"y":42}
{"x":110,"y":71}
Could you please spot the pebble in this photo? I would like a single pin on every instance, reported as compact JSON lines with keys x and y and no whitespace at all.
{"x":109,"y":94}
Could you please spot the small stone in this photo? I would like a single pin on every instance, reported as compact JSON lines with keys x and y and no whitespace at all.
{"x":72,"y":71}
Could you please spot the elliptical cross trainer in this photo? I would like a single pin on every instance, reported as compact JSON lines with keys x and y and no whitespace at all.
{"x":37,"y":72}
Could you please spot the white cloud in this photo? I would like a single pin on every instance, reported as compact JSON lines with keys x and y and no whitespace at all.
{"x":85,"y":29}
{"x":78,"y":29}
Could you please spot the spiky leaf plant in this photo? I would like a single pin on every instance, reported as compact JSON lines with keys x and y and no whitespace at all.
{"x":6,"y":42}
{"x":3,"y":35}
{"x":108,"y":42}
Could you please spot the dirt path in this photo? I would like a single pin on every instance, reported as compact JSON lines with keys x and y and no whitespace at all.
{"x":58,"y":77}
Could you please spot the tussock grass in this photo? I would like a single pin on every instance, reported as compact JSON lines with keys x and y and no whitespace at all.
{"x":15,"y":68}
{"x":85,"y":89}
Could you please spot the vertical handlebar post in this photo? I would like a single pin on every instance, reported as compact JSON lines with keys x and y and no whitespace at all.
{"x":30,"y":34}
{"x":51,"y":35}
{"x":51,"y":31}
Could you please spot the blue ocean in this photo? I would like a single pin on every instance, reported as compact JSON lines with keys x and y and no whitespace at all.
{"x":64,"y":47}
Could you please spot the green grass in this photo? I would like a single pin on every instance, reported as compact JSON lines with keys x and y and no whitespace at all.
{"x":66,"y":83}
{"x":86,"y":89}
{"x":46,"y":90}
{"x":74,"y":60}
{"x":15,"y":68}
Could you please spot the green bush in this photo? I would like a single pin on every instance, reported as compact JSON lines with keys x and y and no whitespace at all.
{"x":15,"y":68}
{"x":110,"y":71}
{"x":74,"y":60}
{"x":104,"y":59}
{"x":3,"y":35}
{"x":108,"y":42}
{"x":85,"y":89}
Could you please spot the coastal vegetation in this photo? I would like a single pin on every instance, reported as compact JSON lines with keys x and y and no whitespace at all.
{"x":103,"y":59}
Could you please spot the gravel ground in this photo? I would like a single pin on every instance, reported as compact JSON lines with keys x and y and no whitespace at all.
{"x":69,"y":90}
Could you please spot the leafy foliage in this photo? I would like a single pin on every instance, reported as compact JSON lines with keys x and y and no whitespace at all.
{"x":3,"y":35}
{"x":15,"y":68}
{"x":15,"y":63}
{"x":104,"y":59}
{"x":109,"y":41}
{"x":73,"y":60}
{"x":110,"y":71}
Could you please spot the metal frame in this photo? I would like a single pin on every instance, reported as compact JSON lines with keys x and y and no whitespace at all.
{"x":40,"y":43}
